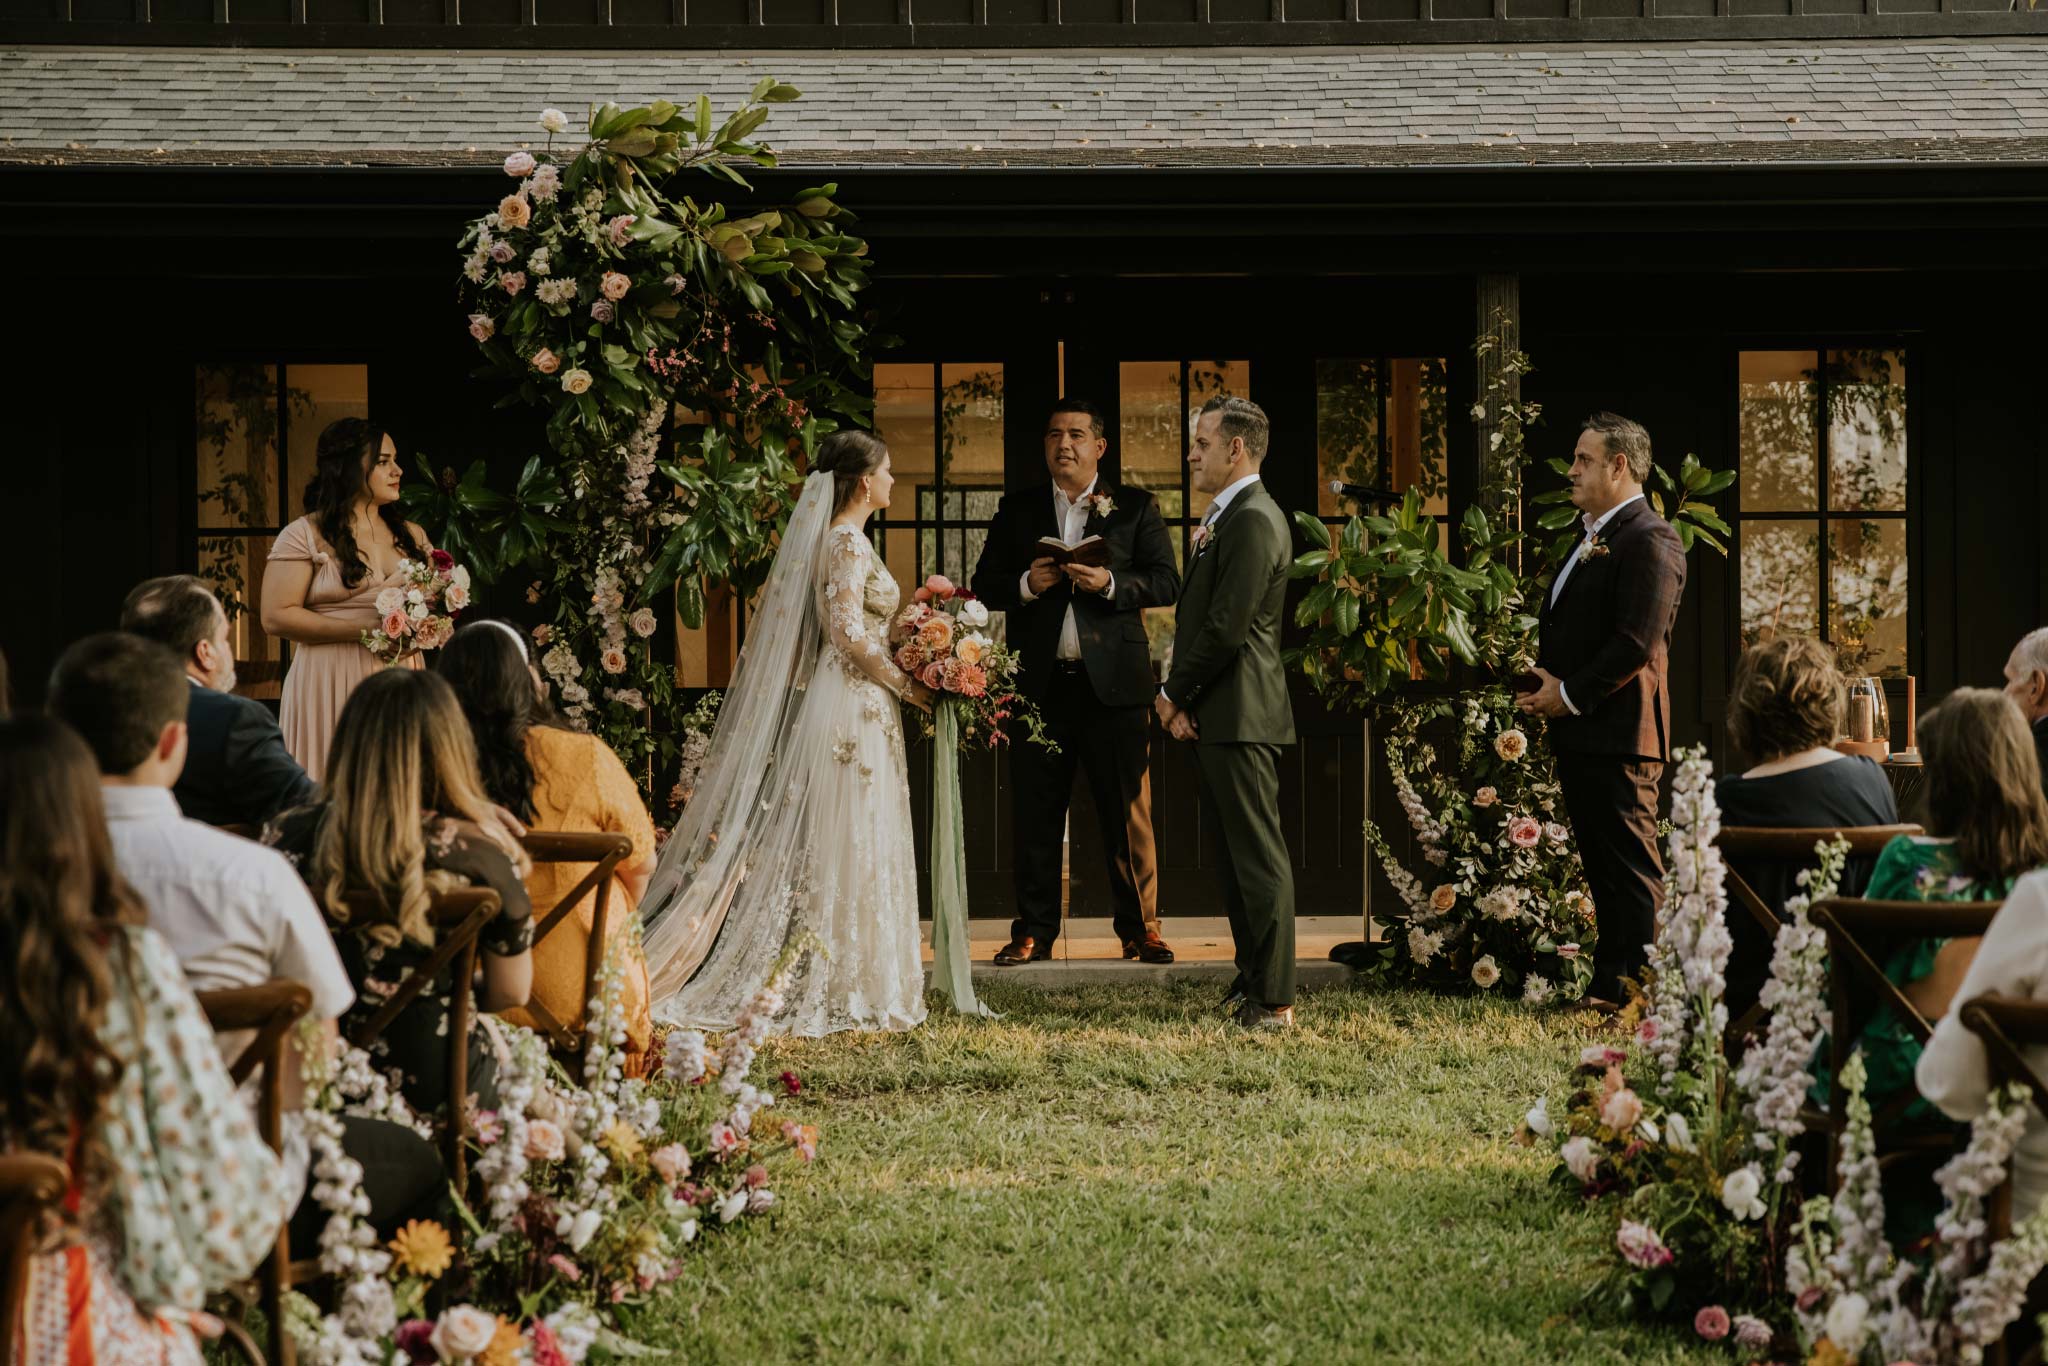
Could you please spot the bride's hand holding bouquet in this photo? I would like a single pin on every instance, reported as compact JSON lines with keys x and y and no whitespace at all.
{"x":418,"y":614}
{"x":940,"y":641}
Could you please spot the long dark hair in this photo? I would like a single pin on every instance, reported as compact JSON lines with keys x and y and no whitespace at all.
{"x":62,"y":906}
{"x":343,"y":457}
{"x":848,"y":456}
{"x":1984,"y":784}
{"x":486,"y":663}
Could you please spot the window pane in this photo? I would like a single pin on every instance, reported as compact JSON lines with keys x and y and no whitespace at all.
{"x":233,"y":566}
{"x":973,"y":439}
{"x":1149,"y":421}
{"x":1780,"y":579}
{"x":1867,"y":431}
{"x":1208,"y":379}
{"x":1867,"y":595}
{"x":904,"y":397}
{"x":1779,"y":453}
{"x":1347,"y":428}
{"x":237,"y":445}
{"x":318,"y":395}
{"x":1350,"y":397}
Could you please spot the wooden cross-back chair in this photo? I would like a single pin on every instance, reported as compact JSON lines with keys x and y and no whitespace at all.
{"x":1857,"y":987}
{"x":31,"y":1185}
{"x":273,"y":1010}
{"x":459,"y":916}
{"x":604,"y":851}
{"x":2007,"y":1025}
{"x":1793,"y":848}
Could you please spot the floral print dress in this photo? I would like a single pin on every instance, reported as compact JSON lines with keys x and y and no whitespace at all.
{"x":415,"y":1045}
{"x":198,"y":1198}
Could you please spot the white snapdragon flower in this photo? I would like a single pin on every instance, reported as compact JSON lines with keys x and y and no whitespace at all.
{"x":1741,"y":1192}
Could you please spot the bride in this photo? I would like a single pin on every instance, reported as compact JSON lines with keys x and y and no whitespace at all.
{"x":798,"y":839}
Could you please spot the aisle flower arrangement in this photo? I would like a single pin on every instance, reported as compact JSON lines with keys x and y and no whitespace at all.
{"x":1499,"y":902}
{"x":588,"y":1194}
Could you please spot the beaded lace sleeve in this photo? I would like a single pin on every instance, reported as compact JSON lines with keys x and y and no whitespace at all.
{"x":846,"y":560}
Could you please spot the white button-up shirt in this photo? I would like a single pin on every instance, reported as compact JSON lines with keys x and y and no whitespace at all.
{"x":1593,"y":525}
{"x":1072,"y":516}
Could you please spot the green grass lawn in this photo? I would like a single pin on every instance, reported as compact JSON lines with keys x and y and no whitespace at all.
{"x":1111,"y":1176}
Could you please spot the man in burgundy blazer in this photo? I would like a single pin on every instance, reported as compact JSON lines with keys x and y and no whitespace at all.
{"x":1603,"y":671}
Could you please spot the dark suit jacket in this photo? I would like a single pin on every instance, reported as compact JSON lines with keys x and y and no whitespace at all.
{"x":1609,"y":639}
{"x":237,"y":771}
{"x":1226,"y":636}
{"x":1111,"y":630}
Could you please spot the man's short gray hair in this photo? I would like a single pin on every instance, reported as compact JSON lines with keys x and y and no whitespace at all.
{"x":1624,"y":438}
{"x":1243,"y":419}
{"x":2032,"y":652}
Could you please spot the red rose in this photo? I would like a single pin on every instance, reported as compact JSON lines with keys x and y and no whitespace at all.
{"x":790,"y":1083}
{"x":443,"y":561}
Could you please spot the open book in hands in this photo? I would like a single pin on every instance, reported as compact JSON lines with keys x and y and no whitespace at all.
{"x":1092,"y":551}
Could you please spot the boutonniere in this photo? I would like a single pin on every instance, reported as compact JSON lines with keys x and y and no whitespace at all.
{"x":1593,"y":549}
{"x":1103,"y":504}
{"x":1203,"y":535}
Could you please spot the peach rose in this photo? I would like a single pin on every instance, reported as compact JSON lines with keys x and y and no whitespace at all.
{"x":614,"y":285}
{"x":397,"y":624}
{"x":1621,"y":1111}
{"x":949,"y":674}
{"x":909,"y":659}
{"x":433,"y":633}
{"x":1511,"y":745}
{"x":968,"y":651}
{"x":1485,"y":796}
{"x":672,"y":1162}
{"x":463,"y":1333}
{"x":937,"y":634}
{"x":456,"y":597}
{"x":613,"y":659}
{"x":514,"y":211}
{"x":544,"y":1142}
{"x":546,"y":361}
{"x":1443,"y":898}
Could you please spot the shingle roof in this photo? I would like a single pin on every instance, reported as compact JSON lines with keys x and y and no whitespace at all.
{"x":1961,"y":99}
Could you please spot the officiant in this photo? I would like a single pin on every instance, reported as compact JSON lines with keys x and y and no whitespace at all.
{"x":1074,"y":563}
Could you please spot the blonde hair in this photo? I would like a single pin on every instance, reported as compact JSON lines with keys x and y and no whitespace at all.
{"x":401,"y":750}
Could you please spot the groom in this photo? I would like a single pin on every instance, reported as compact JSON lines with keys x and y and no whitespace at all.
{"x":1227,"y":693}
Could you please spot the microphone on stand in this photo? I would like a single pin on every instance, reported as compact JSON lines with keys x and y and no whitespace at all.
{"x":1359,"y":493}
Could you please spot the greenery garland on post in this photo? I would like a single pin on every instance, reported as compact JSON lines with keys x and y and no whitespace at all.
{"x":629,"y":312}
{"x":1390,"y":603}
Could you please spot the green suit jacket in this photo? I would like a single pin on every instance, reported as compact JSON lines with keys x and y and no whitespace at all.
{"x":1226,"y":637}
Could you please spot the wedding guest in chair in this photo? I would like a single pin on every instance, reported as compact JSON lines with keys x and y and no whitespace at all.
{"x":555,"y":778}
{"x":110,"y":1067}
{"x":1080,"y":627}
{"x":237,"y":770}
{"x":2026,"y":683}
{"x":402,"y":809}
{"x":233,"y":912}
{"x":1784,"y":715}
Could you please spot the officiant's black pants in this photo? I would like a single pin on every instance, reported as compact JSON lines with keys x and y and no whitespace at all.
{"x":1113,"y":747}
{"x":1612,"y":803}
{"x":1241,"y":804}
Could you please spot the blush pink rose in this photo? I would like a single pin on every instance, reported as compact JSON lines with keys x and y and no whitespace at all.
{"x":546,"y":361}
{"x":614,"y":285}
{"x":1485,"y":796}
{"x":933,"y":676}
{"x":519,"y":164}
{"x":433,"y":633}
{"x":512,"y":281}
{"x":1621,"y":1111}
{"x":397,"y":624}
{"x":941,"y":587}
{"x":613,"y":660}
{"x":1525,"y":831}
{"x":921,"y":595}
{"x":544,"y":1141}
{"x":481,"y":327}
{"x":1711,"y":1323}
{"x":672,"y":1161}
{"x":909,"y":659}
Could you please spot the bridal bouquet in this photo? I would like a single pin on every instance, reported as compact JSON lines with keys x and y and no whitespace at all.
{"x":939,"y":640}
{"x":419,"y":614}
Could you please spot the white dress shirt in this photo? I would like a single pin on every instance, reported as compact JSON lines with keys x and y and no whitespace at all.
{"x":1593,"y":525}
{"x":1072,"y":516}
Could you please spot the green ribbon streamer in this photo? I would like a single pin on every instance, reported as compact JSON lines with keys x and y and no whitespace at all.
{"x":951,"y":970}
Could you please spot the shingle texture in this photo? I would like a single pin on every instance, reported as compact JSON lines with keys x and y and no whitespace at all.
{"x":1961,"y":99}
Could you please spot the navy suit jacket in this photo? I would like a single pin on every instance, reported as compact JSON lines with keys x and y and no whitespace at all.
{"x":237,"y":770}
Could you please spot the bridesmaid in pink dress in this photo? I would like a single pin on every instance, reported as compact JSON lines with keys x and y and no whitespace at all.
{"x":326,"y":570}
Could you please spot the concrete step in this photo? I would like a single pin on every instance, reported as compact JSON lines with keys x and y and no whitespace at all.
{"x":1089,"y":953}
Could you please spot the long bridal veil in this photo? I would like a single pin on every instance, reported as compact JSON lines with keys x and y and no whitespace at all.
{"x":744,"y":836}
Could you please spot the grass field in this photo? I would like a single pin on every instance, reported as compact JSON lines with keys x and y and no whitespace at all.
{"x":1116,"y":1176}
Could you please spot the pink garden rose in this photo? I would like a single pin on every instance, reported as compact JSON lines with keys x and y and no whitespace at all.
{"x":1558,"y":833}
{"x":621,"y":230}
{"x":941,"y":587}
{"x":723,"y":1138}
{"x":512,"y":281}
{"x":514,"y":211}
{"x":909,"y":659}
{"x":949,"y":673}
{"x":1647,"y":1030}
{"x":519,"y":165}
{"x":933,"y":675}
{"x":921,"y":595}
{"x":614,"y":285}
{"x":1621,"y":1110}
{"x":397,"y":624}
{"x":544,"y":1141}
{"x":1485,"y":796}
{"x":433,"y":633}
{"x":481,"y":327}
{"x":672,"y":1161}
{"x":1711,"y":1323}
{"x":546,"y":361}
{"x":1525,"y":831}
{"x":643,"y":622}
{"x":613,"y":659}
{"x":1640,"y":1246}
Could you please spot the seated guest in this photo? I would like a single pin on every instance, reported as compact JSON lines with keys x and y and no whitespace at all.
{"x":108,"y":1066}
{"x":554,"y":778}
{"x":1784,"y":715}
{"x":1987,"y":824}
{"x":399,"y":816}
{"x":1954,"y":1074}
{"x":237,"y":771}
{"x":233,"y":912}
{"x":2026,"y":683}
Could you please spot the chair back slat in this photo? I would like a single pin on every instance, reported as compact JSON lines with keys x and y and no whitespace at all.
{"x":459,"y":916}
{"x":2006,"y":1025}
{"x":31,"y":1184}
{"x":273,"y":1009}
{"x":605,"y":851}
{"x":1858,"y":987}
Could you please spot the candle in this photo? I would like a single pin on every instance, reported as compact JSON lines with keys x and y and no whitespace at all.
{"x":1912,"y":721}
{"x":1861,"y":720}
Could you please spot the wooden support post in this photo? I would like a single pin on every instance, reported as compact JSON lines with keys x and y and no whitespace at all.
{"x":1500,"y":319}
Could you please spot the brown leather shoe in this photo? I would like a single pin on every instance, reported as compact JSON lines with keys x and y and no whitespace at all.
{"x":1021,"y":950}
{"x":1148,"y":948}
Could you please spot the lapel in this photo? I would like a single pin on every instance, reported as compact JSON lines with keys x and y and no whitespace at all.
{"x":1580,"y":570}
{"x":1236,"y":505}
{"x":1097,"y":524}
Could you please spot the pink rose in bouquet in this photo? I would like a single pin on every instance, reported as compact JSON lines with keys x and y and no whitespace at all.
{"x":397,"y":623}
{"x":418,"y":611}
{"x":933,"y":675}
{"x":940,"y":587}
{"x":1525,"y":831}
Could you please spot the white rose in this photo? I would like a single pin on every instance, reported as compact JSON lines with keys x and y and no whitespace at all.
{"x":1739,"y":1192}
{"x":1845,"y":1325}
{"x":1485,"y":972}
{"x":1581,"y":1158}
{"x":553,"y":120}
{"x":584,"y":1229}
{"x":463,"y":1333}
{"x":576,"y":381}
{"x":1538,"y":1120}
{"x":972,"y":613}
{"x":459,"y":577}
{"x":732,"y":1207}
{"x":389,"y":601}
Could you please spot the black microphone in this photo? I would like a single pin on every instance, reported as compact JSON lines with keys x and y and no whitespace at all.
{"x":1359,"y":493}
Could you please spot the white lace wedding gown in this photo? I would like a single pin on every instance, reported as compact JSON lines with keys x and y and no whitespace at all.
{"x":832,"y":863}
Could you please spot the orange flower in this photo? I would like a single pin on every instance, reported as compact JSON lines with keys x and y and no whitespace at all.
{"x":504,"y":1348}
{"x":422,"y":1248}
